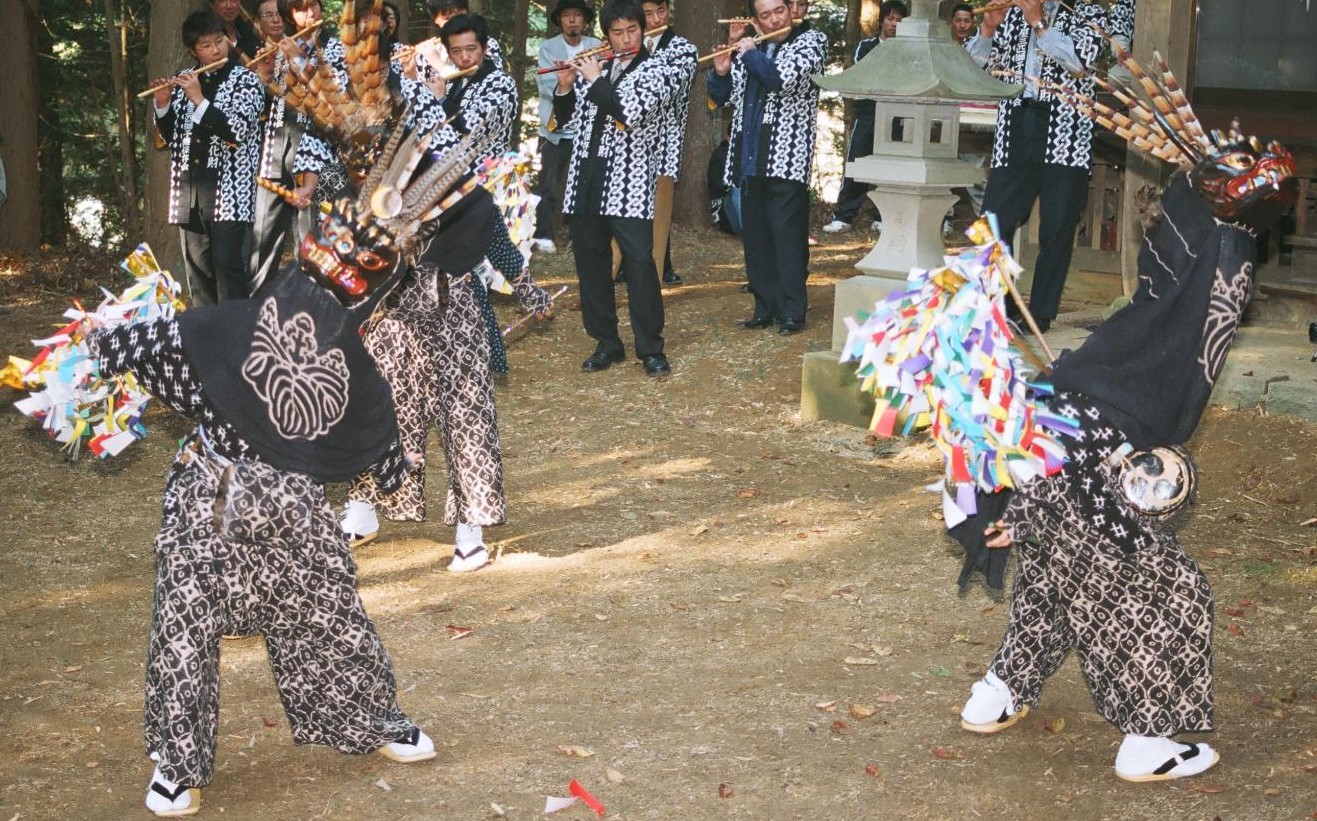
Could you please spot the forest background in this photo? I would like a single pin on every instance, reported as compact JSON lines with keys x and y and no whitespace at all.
{"x":77,"y":143}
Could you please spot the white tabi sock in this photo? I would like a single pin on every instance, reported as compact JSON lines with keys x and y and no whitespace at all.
{"x":468,"y":537}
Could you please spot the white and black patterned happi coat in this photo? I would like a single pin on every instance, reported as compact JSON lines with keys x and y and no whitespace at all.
{"x":681,"y":54}
{"x":1070,"y":134}
{"x":484,"y":106}
{"x":630,"y":152}
{"x":790,"y":115}
{"x":231,"y":127}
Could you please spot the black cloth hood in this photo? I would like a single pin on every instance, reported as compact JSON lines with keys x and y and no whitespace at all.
{"x":289,"y":372}
{"x":1151,"y":366}
{"x":463,"y":233}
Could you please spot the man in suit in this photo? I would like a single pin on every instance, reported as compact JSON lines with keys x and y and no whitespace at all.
{"x":771,"y":155}
{"x":616,"y":109}
{"x":1043,"y":149}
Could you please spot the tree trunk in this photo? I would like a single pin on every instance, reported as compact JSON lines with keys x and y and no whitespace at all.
{"x":117,"y":29}
{"x":520,"y":34}
{"x":20,"y":216}
{"x":165,"y":56}
{"x":705,"y":128}
{"x":50,"y":134}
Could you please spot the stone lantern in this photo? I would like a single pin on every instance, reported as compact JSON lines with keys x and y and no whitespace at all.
{"x":918,"y":80}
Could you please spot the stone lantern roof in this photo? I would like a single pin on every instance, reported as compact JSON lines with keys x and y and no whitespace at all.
{"x":920,"y":64}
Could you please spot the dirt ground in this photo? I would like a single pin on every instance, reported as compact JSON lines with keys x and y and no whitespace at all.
{"x":723,"y":611}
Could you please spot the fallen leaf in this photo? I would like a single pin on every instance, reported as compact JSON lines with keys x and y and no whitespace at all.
{"x":73,"y":669}
{"x":497,"y":810}
{"x":701,"y":530}
{"x":862,"y":710}
{"x":941,"y":672}
{"x":1066,"y":797}
{"x":826,"y":706}
{"x":1236,"y":630}
{"x":1055,"y":725}
{"x":1237,"y":612}
{"x":269,"y":722}
{"x":613,"y":775}
{"x":860,"y":661}
{"x":802,"y":535}
{"x":840,"y":728}
{"x":573,"y":751}
{"x":682,"y":606}
{"x":730,"y":599}
{"x":91,"y":765}
{"x":1271,"y":792}
{"x":1207,"y":789}
{"x":871,"y":769}
{"x":458,"y":631}
{"x":944,"y":754}
{"x":889,"y":698}
{"x":383,"y":785}
{"x":747,"y":493}
{"x":725,"y":791}
{"x":882,"y":651}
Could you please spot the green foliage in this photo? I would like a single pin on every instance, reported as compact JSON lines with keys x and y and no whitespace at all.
{"x":77,"y":111}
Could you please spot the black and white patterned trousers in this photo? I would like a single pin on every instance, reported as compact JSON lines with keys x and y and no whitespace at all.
{"x":1097,"y":578}
{"x":250,"y":549}
{"x":436,"y":359}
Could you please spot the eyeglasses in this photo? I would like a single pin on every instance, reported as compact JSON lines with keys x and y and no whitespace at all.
{"x":269,"y":15}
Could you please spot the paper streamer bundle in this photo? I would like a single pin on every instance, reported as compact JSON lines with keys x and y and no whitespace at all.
{"x":938,"y":354}
{"x":66,"y":392}
{"x":505,"y":178}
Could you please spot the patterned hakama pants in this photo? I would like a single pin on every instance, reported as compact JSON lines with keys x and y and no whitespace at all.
{"x":1098,"y":578}
{"x":435,"y":357}
{"x":251,"y":549}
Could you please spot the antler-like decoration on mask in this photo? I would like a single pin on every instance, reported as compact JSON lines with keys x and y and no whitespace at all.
{"x":349,"y":117}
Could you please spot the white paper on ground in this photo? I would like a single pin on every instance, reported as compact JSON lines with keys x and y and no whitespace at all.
{"x":553,"y":803}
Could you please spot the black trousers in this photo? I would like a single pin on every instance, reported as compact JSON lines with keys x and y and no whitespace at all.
{"x":775,"y":235}
{"x":275,"y":217}
{"x":592,"y":246}
{"x":853,"y":194}
{"x":215,"y":259}
{"x":554,"y":158}
{"x":1060,"y":191}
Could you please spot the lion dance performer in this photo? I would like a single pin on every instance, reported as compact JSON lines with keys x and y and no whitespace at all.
{"x":1099,"y":571}
{"x":287,"y":399}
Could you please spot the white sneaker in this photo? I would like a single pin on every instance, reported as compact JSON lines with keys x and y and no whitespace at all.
{"x":475,"y":559}
{"x":169,"y":800}
{"x":1150,"y":758}
{"x":836,"y":227}
{"x":545,"y":246}
{"x":876,"y":225}
{"x":417,"y":746}
{"x":990,"y":708}
{"x":359,"y":522}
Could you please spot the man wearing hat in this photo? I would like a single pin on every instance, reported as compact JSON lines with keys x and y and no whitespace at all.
{"x":574,"y":18}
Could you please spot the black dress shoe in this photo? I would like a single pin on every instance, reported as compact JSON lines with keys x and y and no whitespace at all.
{"x":791,"y":326}
{"x":601,"y":361}
{"x":671,"y":278}
{"x":656,"y":364}
{"x":745,"y":289}
{"x":755,"y":323}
